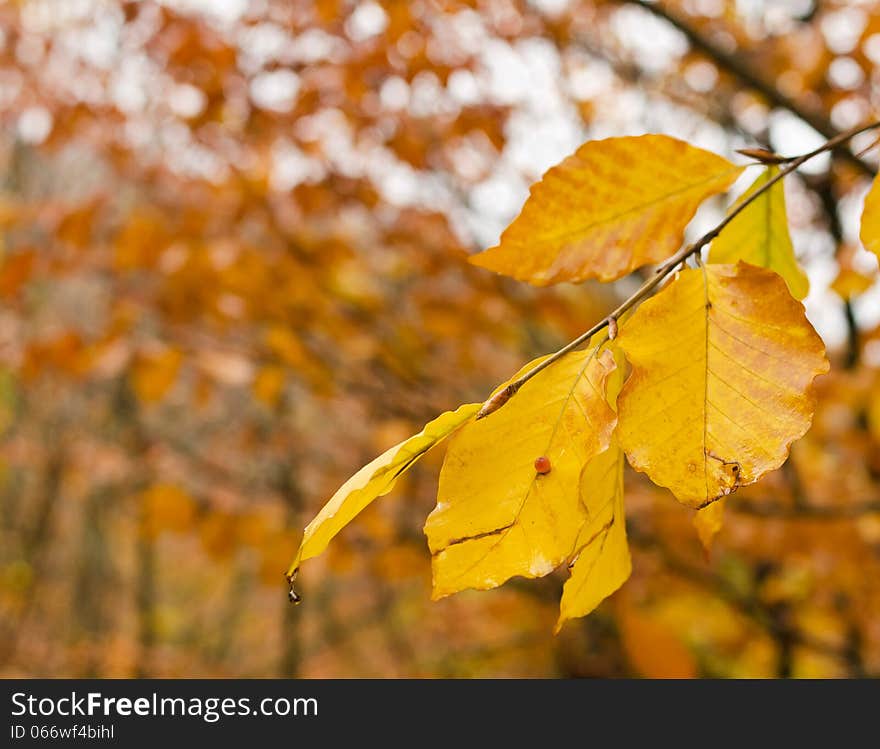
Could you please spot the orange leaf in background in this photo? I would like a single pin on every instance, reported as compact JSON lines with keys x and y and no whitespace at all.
{"x":154,"y":373}
{"x":140,"y":242}
{"x":268,"y":385}
{"x":76,"y":225}
{"x":254,"y":528}
{"x":400,"y":562}
{"x":62,"y":352}
{"x":217,"y":531}
{"x":11,"y":211}
{"x":285,"y":345}
{"x":167,"y":507}
{"x":609,"y":208}
{"x":15,"y":271}
{"x":274,"y":553}
{"x":653,"y":648}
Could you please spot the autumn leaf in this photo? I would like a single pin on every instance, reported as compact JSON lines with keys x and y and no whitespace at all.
{"x":849,"y":283}
{"x":155,"y":373}
{"x":263,"y":244}
{"x":268,"y":385}
{"x":609,"y":208}
{"x":508,"y":502}
{"x":285,"y":345}
{"x":166,"y":507}
{"x":375,"y":480}
{"x":870,"y":229}
{"x":759,"y":235}
{"x":602,"y":562}
{"x":15,"y":270}
{"x":708,"y":523}
{"x":654,"y":648}
{"x":722,"y":363}
{"x":218,"y":534}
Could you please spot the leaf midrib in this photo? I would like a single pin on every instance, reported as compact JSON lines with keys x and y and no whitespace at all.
{"x":566,"y":235}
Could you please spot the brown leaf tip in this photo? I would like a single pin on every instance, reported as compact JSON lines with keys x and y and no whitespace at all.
{"x":762,"y":155}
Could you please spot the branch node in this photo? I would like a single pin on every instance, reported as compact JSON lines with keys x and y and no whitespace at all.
{"x":612,"y":327}
{"x":497,"y":401}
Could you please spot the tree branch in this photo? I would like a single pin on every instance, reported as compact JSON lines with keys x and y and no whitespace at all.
{"x":505,"y":394}
{"x":739,"y":68}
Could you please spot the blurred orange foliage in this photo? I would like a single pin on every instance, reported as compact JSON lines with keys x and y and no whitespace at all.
{"x":233,"y":244}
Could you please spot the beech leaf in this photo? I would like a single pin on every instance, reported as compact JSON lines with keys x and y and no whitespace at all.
{"x":723,"y":360}
{"x":609,"y":208}
{"x":870,"y":229}
{"x":709,"y":522}
{"x":759,"y":235}
{"x":508,"y":501}
{"x":375,"y":480}
{"x":602,"y":561}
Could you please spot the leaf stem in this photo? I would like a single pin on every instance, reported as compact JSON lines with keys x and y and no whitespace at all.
{"x":646,"y":289}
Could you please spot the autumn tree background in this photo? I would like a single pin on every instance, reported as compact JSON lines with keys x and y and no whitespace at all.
{"x":233,"y":268}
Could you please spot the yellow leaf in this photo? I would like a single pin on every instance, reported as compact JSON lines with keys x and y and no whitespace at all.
{"x":708,"y":522}
{"x":375,"y":480}
{"x":502,"y":512}
{"x":609,"y":208}
{"x":722,"y":363}
{"x":759,"y":235}
{"x":602,"y":562}
{"x":870,"y":230}
{"x":850,"y":283}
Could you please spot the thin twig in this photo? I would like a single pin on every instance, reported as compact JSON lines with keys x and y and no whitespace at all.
{"x":505,"y":394}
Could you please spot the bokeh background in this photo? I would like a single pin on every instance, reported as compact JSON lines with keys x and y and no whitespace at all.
{"x":233,"y":241}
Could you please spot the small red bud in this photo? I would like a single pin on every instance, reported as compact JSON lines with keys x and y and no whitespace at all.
{"x":542,"y":465}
